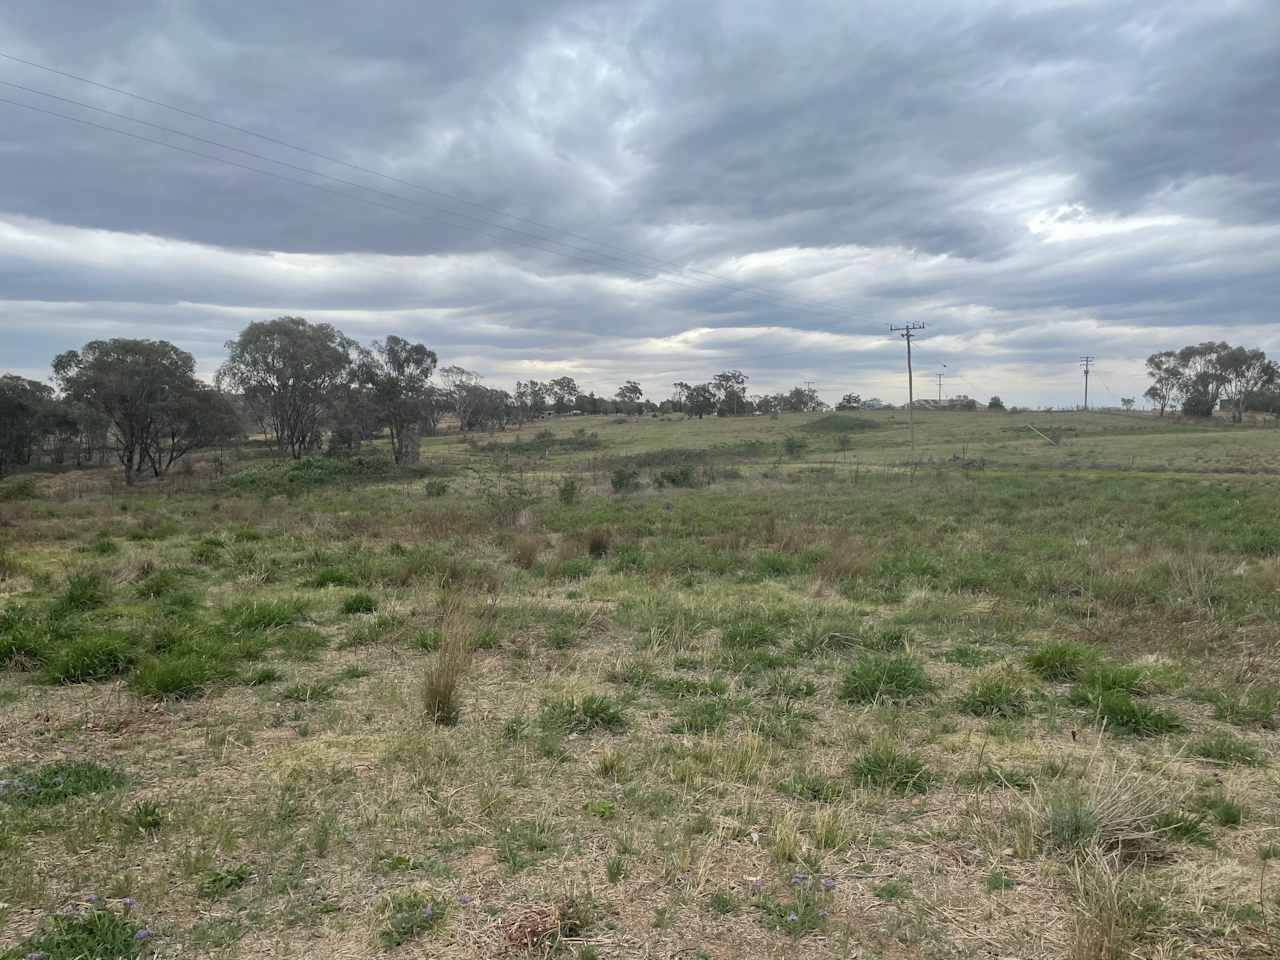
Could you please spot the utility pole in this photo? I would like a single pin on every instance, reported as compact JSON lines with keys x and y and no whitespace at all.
{"x":939,"y":376}
{"x":906,"y":333}
{"x":1086,"y":363}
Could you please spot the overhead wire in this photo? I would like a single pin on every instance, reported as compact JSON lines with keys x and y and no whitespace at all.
{"x":792,"y":302}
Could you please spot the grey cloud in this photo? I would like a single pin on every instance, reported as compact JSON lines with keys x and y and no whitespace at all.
{"x":885,"y":158}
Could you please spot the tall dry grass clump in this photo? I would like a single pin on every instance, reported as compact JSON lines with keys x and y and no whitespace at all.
{"x":449,"y":665}
{"x":1111,"y":911}
{"x":1115,"y":809}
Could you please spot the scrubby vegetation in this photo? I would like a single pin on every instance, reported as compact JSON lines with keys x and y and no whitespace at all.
{"x":662,"y":688}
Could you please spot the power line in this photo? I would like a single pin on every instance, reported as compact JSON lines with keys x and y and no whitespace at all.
{"x":631,"y":255}
{"x":906,"y":333}
{"x":1086,"y":363}
{"x":438,"y":211}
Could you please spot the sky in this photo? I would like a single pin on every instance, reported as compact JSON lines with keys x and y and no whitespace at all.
{"x":652,"y":190}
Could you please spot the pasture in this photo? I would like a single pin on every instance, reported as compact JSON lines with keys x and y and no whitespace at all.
{"x":605,"y":688}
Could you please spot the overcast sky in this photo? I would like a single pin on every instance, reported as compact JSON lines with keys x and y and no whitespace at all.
{"x":655,"y":191}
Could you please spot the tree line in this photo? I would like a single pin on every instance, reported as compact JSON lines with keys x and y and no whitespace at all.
{"x":1201,"y":377}
{"x":306,"y":387}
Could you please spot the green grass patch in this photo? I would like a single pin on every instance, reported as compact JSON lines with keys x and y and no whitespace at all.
{"x":875,"y":678}
{"x":886,"y":767}
{"x":1122,"y":713}
{"x":85,"y":933}
{"x":1062,"y":661}
{"x":999,"y":694}
{"x":56,"y":782}
{"x":1226,"y":748}
{"x":589,"y":714}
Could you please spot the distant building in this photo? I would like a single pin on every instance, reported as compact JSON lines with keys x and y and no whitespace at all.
{"x":958,"y":402}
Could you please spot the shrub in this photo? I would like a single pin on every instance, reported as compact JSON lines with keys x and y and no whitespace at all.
{"x":273,"y":478}
{"x":524,"y":551}
{"x":598,"y":542}
{"x":875,"y":677}
{"x":18,"y":488}
{"x":568,"y":491}
{"x":886,"y":767}
{"x":683,"y":475}
{"x":998,"y":694}
{"x":1061,"y":661}
{"x":435,"y":487}
{"x":359,"y":603}
{"x":625,"y":480}
{"x":56,"y":782}
{"x":449,"y":666}
{"x":794,"y":446}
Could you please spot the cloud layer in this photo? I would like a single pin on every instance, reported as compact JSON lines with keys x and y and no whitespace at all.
{"x":655,"y":190}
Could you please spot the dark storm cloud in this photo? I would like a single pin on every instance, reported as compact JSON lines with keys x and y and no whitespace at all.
{"x":1021,"y":175}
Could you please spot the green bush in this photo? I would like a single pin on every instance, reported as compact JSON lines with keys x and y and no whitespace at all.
{"x":625,"y":480}
{"x":435,"y":487}
{"x":275,"y":477}
{"x":568,"y":491}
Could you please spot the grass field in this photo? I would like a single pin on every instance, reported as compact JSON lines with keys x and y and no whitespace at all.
{"x":654,"y":688}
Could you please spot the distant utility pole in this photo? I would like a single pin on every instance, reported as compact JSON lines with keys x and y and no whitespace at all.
{"x":939,"y":376}
{"x":906,"y":334}
{"x":1086,"y":363}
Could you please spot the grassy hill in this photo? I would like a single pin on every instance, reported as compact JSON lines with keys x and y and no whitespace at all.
{"x":643,"y":687}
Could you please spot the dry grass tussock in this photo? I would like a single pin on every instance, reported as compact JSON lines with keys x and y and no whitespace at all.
{"x":447,"y":669}
{"x":1116,"y":808}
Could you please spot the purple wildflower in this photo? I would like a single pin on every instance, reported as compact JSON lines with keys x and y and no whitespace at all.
{"x":828,"y":883}
{"x":142,"y":934}
{"x":791,"y":917}
{"x":463,"y":899}
{"x":129,"y":903}
{"x":35,"y":956}
{"x":91,"y":898}
{"x":757,"y":885}
{"x":823,"y":914}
